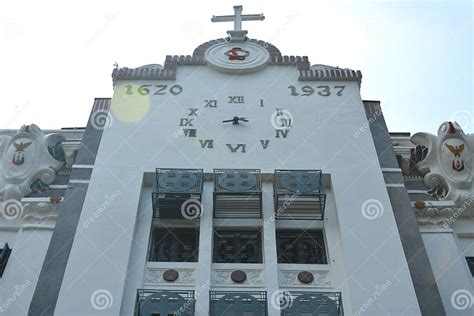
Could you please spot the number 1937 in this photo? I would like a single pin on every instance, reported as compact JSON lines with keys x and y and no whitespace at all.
{"x":323,"y":91}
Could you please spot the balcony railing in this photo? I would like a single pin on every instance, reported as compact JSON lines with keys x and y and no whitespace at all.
{"x":237,"y":193}
{"x":158,"y":302}
{"x":298,"y":194}
{"x":237,"y":303}
{"x":311,"y":303}
{"x":177,"y":193}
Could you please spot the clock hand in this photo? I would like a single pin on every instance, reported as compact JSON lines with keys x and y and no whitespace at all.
{"x":235,"y":120}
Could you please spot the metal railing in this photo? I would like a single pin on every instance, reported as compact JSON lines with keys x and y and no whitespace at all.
{"x":177,"y":193}
{"x":237,"y":193}
{"x":311,"y":303}
{"x":298,"y":194}
{"x":237,"y":303}
{"x":164,"y":302}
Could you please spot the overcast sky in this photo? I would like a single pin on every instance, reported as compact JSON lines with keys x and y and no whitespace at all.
{"x":416,"y":57}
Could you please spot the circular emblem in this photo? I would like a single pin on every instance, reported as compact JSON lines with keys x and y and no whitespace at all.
{"x":243,"y":57}
{"x":305,"y":277}
{"x":238,"y":276}
{"x":170,"y":275}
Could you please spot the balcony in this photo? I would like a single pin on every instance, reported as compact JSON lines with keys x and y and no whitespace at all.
{"x":298,"y":194}
{"x":312,"y":303}
{"x":177,"y":193}
{"x":238,"y":303}
{"x":158,"y":302}
{"x":237,"y":193}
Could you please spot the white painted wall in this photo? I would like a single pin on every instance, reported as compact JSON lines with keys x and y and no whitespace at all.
{"x":450,"y":270}
{"x":322,"y":137}
{"x":23,"y":268}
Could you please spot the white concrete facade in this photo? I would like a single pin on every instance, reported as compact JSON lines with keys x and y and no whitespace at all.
{"x":321,"y":138}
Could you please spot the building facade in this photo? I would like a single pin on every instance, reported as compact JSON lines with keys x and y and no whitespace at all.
{"x":236,"y":181}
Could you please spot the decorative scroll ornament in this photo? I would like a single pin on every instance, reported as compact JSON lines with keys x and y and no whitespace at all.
{"x":446,"y":163}
{"x":29,"y":162}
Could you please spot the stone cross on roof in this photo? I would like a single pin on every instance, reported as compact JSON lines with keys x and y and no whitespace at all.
{"x":238,"y":35}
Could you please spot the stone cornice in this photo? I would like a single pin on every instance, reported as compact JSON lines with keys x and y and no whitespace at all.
{"x":439,"y":214}
{"x":33,"y":214}
{"x":330,"y":74}
{"x":40,"y":215}
{"x":168,"y":71}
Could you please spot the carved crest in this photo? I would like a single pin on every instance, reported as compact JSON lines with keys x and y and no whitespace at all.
{"x":446,"y":163}
{"x":29,"y":160}
{"x":457,"y":163}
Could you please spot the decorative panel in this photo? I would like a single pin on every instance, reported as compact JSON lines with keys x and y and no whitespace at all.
{"x":159,"y":302}
{"x":174,"y":244}
{"x":179,"y":181}
{"x":312,"y":303}
{"x":301,"y":247}
{"x":154,"y":277}
{"x":222,"y":278}
{"x":298,"y":194}
{"x":237,"y":246}
{"x":177,"y":193}
{"x":288,"y":278}
{"x":237,"y":193}
{"x":238,"y":303}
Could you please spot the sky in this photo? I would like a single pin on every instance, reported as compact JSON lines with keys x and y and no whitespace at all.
{"x":416,"y":56}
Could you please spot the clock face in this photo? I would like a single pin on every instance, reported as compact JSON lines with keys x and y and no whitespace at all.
{"x":238,"y":122}
{"x":249,"y":121}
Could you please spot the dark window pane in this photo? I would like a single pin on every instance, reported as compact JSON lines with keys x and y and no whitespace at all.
{"x":299,"y":246}
{"x":4,"y":255}
{"x":237,"y":247}
{"x":174,"y":244}
{"x":470,"y":263}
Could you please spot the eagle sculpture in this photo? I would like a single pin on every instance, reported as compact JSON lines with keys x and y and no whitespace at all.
{"x":456,"y":150}
{"x":21,"y":146}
